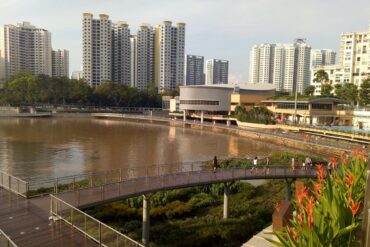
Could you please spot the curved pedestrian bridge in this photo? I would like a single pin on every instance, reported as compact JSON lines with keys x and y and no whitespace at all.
{"x":91,"y":196}
{"x":26,"y":205}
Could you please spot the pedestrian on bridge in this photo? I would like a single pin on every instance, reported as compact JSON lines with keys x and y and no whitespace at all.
{"x":215,"y":164}
{"x":255,"y":163}
{"x":266,"y":169}
{"x":293,"y":164}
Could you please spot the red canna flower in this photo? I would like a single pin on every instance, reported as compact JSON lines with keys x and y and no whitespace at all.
{"x":300,"y":219}
{"x":302,"y":195}
{"x":320,"y":172}
{"x":333,"y":162}
{"x":292,"y":232}
{"x":317,"y":188}
{"x":309,"y":211}
{"x":354,"y":208}
{"x":349,"y":180}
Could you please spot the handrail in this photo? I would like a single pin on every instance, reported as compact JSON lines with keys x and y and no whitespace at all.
{"x":92,"y":228}
{"x":4,"y":239}
{"x":14,"y":184}
{"x":84,"y":197}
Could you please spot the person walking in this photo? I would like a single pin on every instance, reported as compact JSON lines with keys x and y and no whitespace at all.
{"x":303,"y":165}
{"x":293,"y":164}
{"x":266,"y":169}
{"x":255,"y":163}
{"x":215,"y":164}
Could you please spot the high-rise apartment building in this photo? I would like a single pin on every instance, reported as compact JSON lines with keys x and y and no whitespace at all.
{"x":320,"y":57}
{"x":133,"y":57}
{"x":60,"y":63}
{"x":77,"y":75}
{"x":24,"y":47}
{"x":169,"y":55}
{"x":217,"y":71}
{"x":194,"y":69}
{"x":97,"y":49}
{"x":354,"y":56}
{"x":287,"y":66}
{"x":145,"y":56}
{"x":121,"y":54}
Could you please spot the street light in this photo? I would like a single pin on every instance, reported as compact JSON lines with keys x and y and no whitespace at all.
{"x":295,"y":105}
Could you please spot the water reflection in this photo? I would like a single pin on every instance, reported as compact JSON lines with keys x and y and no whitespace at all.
{"x":59,"y":146}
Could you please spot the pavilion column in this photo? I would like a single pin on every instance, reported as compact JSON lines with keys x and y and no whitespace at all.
{"x":226,"y":200}
{"x":146,"y":219}
{"x":184,"y":116}
{"x":201,"y":117}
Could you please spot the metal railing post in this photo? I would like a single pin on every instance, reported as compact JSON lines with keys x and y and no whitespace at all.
{"x":10,"y":182}
{"x":120,"y":174}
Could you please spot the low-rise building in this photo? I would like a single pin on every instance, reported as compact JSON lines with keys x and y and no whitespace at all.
{"x":222,"y":99}
{"x":316,"y":111}
{"x":170,"y":103}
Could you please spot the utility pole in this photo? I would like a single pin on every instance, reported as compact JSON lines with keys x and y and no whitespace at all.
{"x":295,"y":105}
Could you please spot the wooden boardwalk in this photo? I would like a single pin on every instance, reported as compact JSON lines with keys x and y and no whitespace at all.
{"x":27,"y":223}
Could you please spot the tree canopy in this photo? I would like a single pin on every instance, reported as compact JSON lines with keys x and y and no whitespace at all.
{"x":26,"y":89}
{"x":364,"y":93}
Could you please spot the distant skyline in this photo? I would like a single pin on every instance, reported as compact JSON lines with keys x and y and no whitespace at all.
{"x":220,"y":29}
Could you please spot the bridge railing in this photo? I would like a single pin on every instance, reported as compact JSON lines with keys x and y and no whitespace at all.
{"x":142,"y":185}
{"x":14,"y":184}
{"x":5,"y":240}
{"x":95,"y":179}
{"x":92,"y":228}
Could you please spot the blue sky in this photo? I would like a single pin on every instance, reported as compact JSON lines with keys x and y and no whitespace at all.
{"x":225,"y":29}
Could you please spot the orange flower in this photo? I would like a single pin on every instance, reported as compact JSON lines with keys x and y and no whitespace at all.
{"x":355,"y":207}
{"x":333,"y":162}
{"x":300,"y":219}
{"x":321,"y":174}
{"x":277,"y":207}
{"x":292,"y":232}
{"x":317,"y":188}
{"x":309,"y":211}
{"x":349,"y":180}
{"x":302,"y":195}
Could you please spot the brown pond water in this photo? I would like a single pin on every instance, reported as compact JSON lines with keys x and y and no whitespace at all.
{"x":74,"y":144}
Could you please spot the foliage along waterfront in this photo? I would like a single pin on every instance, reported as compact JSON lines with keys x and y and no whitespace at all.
{"x":193,"y":216}
{"x":330,"y":213}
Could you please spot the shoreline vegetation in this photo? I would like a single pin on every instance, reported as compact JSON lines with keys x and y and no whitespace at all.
{"x":193,"y":216}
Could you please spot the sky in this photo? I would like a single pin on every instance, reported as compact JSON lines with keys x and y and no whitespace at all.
{"x":223,"y":29}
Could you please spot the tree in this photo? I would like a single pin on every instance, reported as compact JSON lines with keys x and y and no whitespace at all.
{"x":348,"y":91}
{"x":24,"y":90}
{"x":364,"y":93}
{"x":321,"y":76}
{"x":80,"y":92}
{"x":309,"y":91}
{"x":326,"y":90}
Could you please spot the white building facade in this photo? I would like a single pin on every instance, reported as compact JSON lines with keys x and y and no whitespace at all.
{"x":322,"y":57}
{"x":287,"y":66}
{"x":145,"y":56}
{"x":24,"y":47}
{"x":60,"y":63}
{"x":121,"y":54}
{"x":194,"y":69}
{"x":97,"y":49}
{"x":217,"y":71}
{"x":169,"y":55}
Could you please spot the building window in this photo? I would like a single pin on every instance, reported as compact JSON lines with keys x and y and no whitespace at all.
{"x":328,"y":107}
{"x":200,"y":102}
{"x":300,"y":106}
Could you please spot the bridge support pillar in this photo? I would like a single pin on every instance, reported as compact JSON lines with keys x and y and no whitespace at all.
{"x":146,"y":220}
{"x":228,"y":123}
{"x":288,"y":189}
{"x":226,"y":200}
{"x":184,"y":116}
{"x":201,"y":117}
